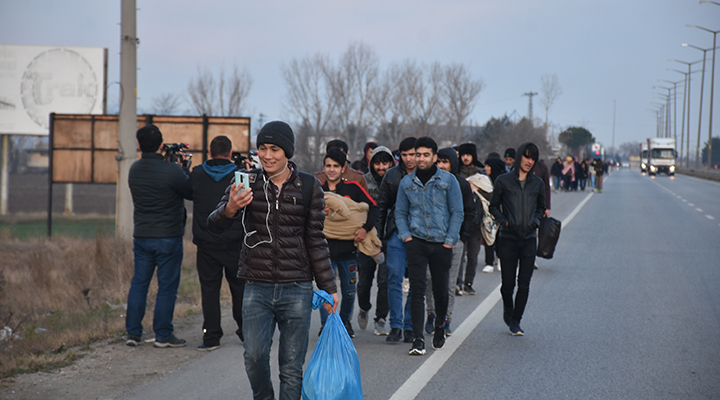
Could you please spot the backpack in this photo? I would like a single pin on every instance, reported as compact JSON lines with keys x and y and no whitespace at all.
{"x":306,"y":188}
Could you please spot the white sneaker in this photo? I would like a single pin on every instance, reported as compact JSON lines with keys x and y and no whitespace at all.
{"x":498,"y":266}
{"x":488,"y":268}
{"x":406,"y":285}
{"x":380,"y":328}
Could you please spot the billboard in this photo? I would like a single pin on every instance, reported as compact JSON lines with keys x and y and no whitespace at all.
{"x":38,"y":80}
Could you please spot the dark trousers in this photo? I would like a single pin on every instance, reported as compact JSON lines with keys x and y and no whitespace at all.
{"x":472,"y":249}
{"x":211,"y":263}
{"x":421,"y":255}
{"x":366,"y":274}
{"x":513,"y":252}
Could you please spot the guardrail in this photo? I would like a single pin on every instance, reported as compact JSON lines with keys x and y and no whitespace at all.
{"x":712,"y":174}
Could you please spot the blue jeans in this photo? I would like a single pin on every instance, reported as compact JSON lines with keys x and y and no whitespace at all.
{"x":166,"y":254}
{"x":396,"y":265}
{"x":289,"y":306}
{"x":556,"y":182}
{"x":348,"y":287}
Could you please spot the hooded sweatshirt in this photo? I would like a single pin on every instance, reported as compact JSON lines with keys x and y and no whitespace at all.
{"x":469,"y":207}
{"x":372,"y":178}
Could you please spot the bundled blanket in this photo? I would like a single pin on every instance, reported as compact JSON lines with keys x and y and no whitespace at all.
{"x":347,"y":216}
{"x":482,"y":187}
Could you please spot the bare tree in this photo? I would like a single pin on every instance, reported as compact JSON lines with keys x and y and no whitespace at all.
{"x":166,"y":104}
{"x":353,"y":82}
{"x":221,"y":96}
{"x":312,"y":100}
{"x":460,"y":93}
{"x":550,"y":90}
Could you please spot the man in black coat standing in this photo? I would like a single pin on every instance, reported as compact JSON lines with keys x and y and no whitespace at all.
{"x":216,"y":253}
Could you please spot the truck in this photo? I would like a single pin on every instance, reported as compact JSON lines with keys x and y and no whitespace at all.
{"x":661,"y":156}
{"x":643,"y":157}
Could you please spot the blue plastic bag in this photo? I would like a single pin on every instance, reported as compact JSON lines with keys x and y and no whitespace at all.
{"x":333,"y":372}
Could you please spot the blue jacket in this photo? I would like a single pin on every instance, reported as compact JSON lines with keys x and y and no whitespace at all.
{"x":433,"y":212}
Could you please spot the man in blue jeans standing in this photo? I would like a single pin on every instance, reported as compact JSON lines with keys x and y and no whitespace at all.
{"x":428,"y":214}
{"x":396,"y":259}
{"x":158,"y":189}
{"x":283,"y":252}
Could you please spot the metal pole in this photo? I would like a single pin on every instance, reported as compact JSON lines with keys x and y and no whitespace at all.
{"x":127,"y":123}
{"x":702,"y":88}
{"x":682,"y":125}
{"x":687,"y":150}
{"x":613,"y":137}
{"x":4,"y":175}
{"x":712,"y":92}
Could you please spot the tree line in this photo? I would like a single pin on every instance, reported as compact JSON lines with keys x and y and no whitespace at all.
{"x":354,"y":99}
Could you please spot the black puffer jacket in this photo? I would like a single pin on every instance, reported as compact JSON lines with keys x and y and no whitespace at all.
{"x":295,"y":249}
{"x":520,"y":208}
{"x":386,"y":200}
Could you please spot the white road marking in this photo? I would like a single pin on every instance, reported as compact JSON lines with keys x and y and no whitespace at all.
{"x":709,"y":216}
{"x":684,"y":201}
{"x":417,"y":381}
{"x":691,"y":204}
{"x":699,"y":209}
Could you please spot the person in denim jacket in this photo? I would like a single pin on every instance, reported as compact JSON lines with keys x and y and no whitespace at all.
{"x":428,"y":214}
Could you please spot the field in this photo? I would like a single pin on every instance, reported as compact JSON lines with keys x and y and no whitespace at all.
{"x":58,"y":296}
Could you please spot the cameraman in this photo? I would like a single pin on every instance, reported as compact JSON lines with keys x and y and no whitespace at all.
{"x":216,"y":253}
{"x":158,"y":189}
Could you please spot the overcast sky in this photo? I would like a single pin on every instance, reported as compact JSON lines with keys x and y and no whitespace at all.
{"x":602,"y":51}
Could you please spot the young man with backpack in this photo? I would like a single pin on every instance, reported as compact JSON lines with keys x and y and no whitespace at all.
{"x":283,"y":251}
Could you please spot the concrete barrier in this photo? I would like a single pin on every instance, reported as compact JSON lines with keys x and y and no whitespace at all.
{"x":713,"y":174}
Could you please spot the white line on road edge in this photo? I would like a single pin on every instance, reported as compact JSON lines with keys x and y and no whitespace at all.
{"x":417,"y":381}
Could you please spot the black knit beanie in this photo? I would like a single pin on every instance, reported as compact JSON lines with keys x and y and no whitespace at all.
{"x":280,"y":134}
{"x":510,"y":153}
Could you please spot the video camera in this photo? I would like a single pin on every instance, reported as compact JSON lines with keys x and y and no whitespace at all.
{"x":252,"y":161}
{"x":174,"y":153}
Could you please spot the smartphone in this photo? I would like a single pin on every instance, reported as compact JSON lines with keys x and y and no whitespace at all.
{"x":241,"y":177}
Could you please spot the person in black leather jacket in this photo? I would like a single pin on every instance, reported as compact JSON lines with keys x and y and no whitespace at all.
{"x":518,"y":203}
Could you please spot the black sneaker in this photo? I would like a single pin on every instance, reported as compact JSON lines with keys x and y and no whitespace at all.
{"x":134,"y":340}
{"x":507,"y":315}
{"x":395,"y":335}
{"x":439,"y":337}
{"x":430,"y":324}
{"x":418,"y":347}
{"x":469,"y":290}
{"x":515,"y":329}
{"x":408,"y":336}
{"x":171,"y":341}
{"x":349,"y":329}
{"x":203,"y":347}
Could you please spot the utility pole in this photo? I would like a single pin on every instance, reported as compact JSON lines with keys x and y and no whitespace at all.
{"x":530,"y":95}
{"x":127,"y":122}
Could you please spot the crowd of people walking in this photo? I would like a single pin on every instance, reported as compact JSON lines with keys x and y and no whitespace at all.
{"x":407,"y":218}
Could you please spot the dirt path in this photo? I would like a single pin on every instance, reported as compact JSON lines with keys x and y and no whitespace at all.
{"x":110,"y":369}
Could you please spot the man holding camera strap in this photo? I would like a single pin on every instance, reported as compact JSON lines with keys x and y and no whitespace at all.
{"x":158,"y":189}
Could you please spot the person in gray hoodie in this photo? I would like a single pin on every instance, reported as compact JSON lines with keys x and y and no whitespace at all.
{"x":381,"y":161}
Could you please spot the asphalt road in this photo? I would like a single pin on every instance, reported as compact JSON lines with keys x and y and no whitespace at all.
{"x":629,"y":308}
